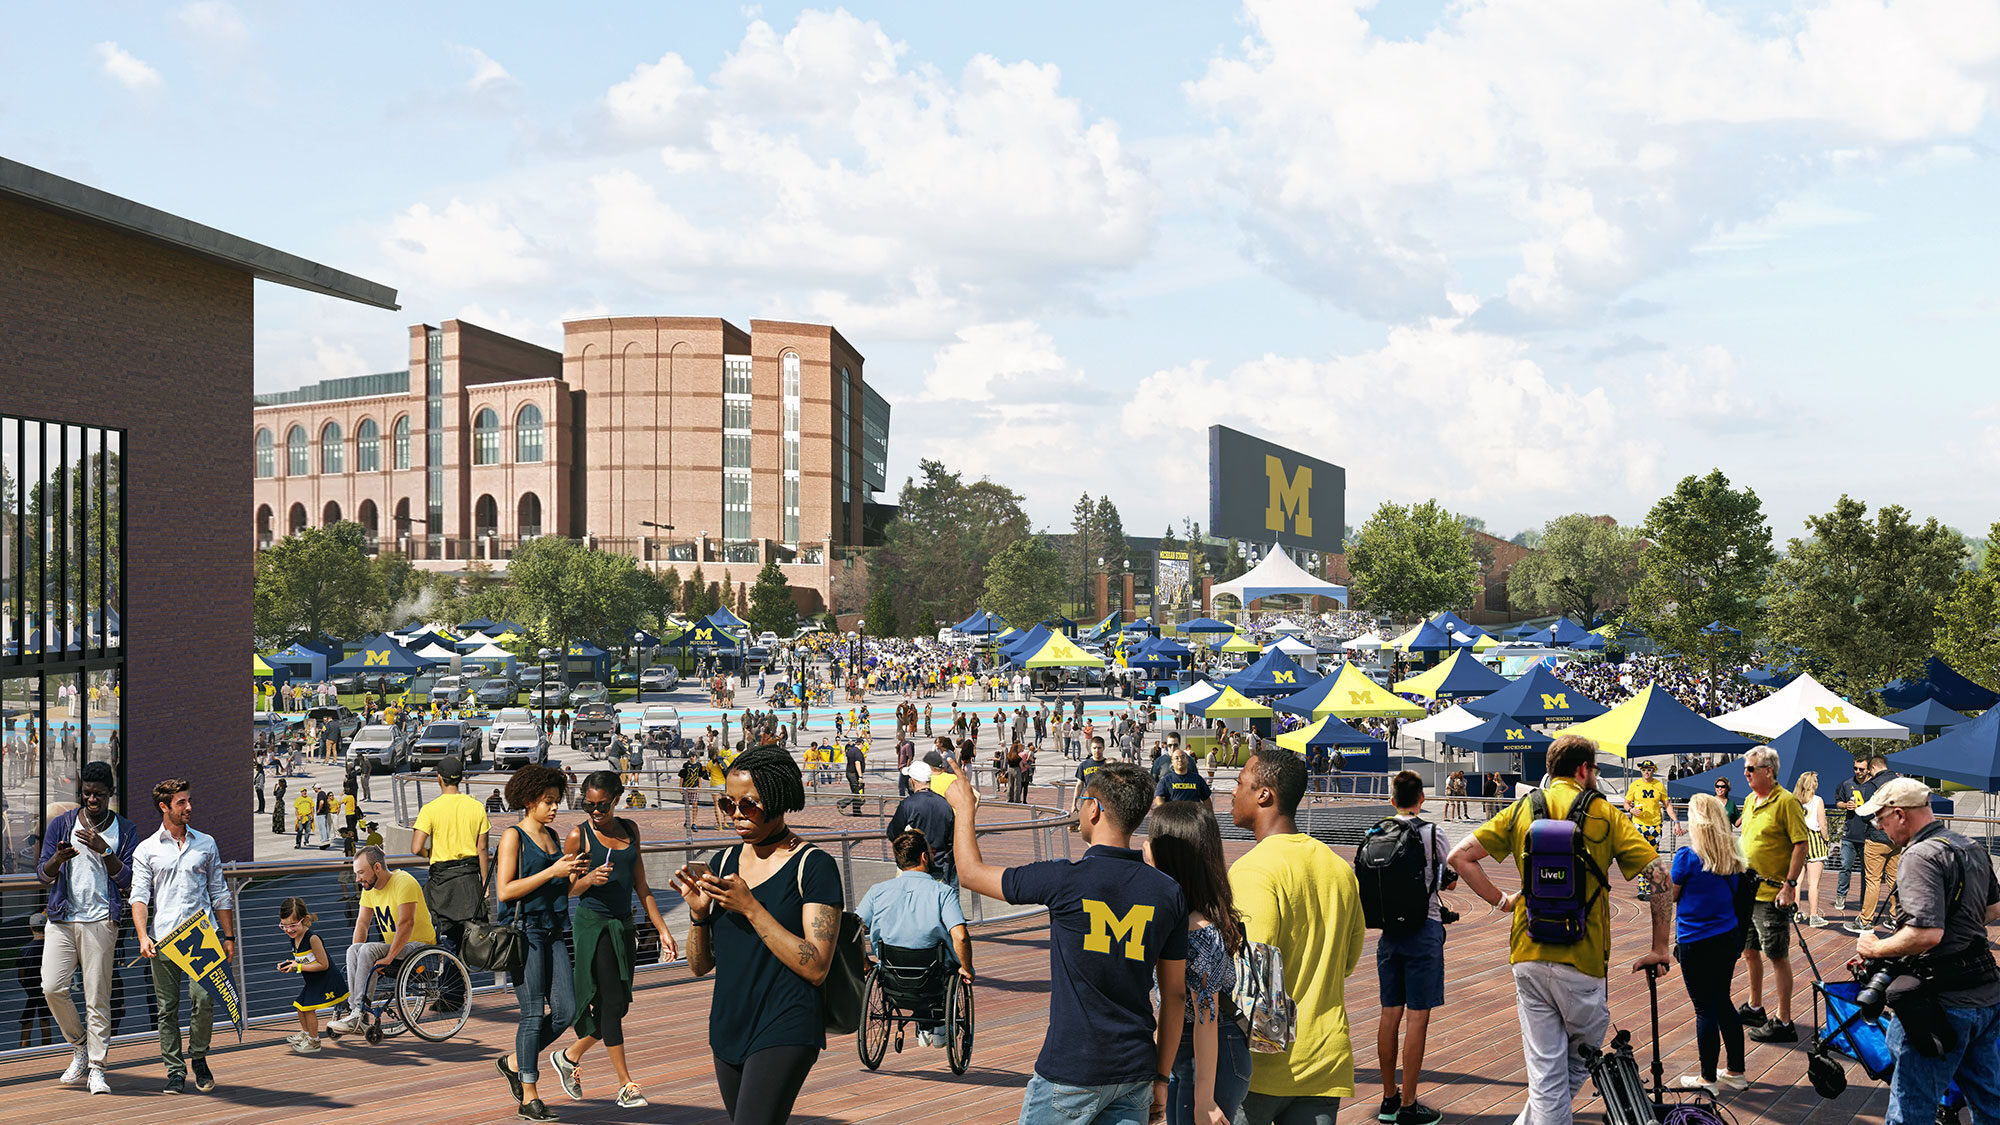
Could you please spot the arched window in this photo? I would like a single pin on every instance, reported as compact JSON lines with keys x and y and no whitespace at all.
{"x":264,"y":518}
{"x":485,"y":518}
{"x":369,"y":518}
{"x":528,"y":434}
{"x":367,"y":447}
{"x":295,"y":520}
{"x":486,"y":438}
{"x":403,"y":442}
{"x":530,"y":515}
{"x":330,"y":447}
{"x":267,"y":460}
{"x":296,"y":464}
{"x":403,"y":514}
{"x":330,"y":514}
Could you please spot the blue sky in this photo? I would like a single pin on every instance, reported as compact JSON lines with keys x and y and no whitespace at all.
{"x":1527,"y":256}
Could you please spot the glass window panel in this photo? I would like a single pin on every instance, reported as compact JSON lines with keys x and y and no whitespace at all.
{"x":403,"y":442}
{"x":266,"y":460}
{"x":735,"y":452}
{"x":22,"y":737}
{"x":367,"y":447}
{"x":114,"y":533}
{"x":486,"y":438}
{"x":49,"y":626}
{"x":736,"y":376}
{"x":528,"y":435}
{"x":330,"y":449}
{"x":295,"y":452}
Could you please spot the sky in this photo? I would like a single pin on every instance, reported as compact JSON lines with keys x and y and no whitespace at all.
{"x":1528,"y":257}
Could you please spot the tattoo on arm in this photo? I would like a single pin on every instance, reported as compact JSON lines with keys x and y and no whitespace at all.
{"x":825,"y":924}
{"x":806,"y":954}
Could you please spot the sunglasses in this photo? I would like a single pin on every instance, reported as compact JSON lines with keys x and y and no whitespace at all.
{"x":606,"y":805}
{"x":749,"y":806}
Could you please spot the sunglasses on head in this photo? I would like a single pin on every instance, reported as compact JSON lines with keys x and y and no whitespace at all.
{"x":748,"y":806}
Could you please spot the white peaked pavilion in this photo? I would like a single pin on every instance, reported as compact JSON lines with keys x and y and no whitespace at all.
{"x":1277,"y":574}
{"x":1807,"y":700}
{"x":1197,"y":692}
{"x":1451,"y":720}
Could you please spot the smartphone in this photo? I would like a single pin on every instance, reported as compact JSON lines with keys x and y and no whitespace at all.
{"x":698,"y":869}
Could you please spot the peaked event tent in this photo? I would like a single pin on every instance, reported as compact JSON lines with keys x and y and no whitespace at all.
{"x":1433,"y":729}
{"x":1277,"y":574}
{"x":1426,"y":638}
{"x":1928,"y":718}
{"x":1368,"y":640}
{"x":1329,"y":731}
{"x":1229,"y":704}
{"x":1291,"y":647}
{"x":1058,"y":651}
{"x":1805,"y":699}
{"x":1968,"y":754}
{"x":1460,"y":674}
{"x":1562,"y":634}
{"x":1274,"y":673}
{"x":1349,"y":694}
{"x":1452,"y":623}
{"x":1195,"y":692}
{"x":1207,"y":625}
{"x":300,"y":662}
{"x":1799,"y":749}
{"x":1291,"y":628}
{"x":385,"y":657}
{"x":1944,"y":684}
{"x":1654,"y":722}
{"x":1538,"y":696}
{"x":1499,"y":735}
{"x":1238,"y":643}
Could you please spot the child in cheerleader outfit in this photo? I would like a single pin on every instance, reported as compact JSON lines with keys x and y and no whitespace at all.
{"x":321,"y":984}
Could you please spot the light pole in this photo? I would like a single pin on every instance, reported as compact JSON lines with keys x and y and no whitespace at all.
{"x":649,"y":539}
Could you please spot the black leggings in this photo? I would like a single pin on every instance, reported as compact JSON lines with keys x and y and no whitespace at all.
{"x":1706,"y":968}
{"x":614,"y":996}
{"x":762,"y":1090}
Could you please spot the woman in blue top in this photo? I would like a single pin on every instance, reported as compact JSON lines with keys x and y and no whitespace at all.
{"x":1712,"y":891}
{"x":533,"y":876}
{"x":765,"y":915}
{"x":1212,"y":1071}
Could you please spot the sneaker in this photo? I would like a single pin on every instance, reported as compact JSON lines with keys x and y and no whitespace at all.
{"x":1697,"y":1082}
{"x":1817,"y":921}
{"x":303,"y":1046}
{"x":1391,"y":1106}
{"x":629,"y":1096}
{"x":923,"y":1038}
{"x":97,"y":1083}
{"x":1775,"y":1032}
{"x":177,"y":1084}
{"x":535,"y":1111}
{"x":566,"y":1072}
{"x":1730,"y":1081}
{"x":1859,"y":927}
{"x":1644,"y":897}
{"x":513,"y":1078}
{"x":203,"y":1079}
{"x":1751,"y":1017}
{"x":1417,"y":1113}
{"x":346,"y":1025}
{"x":79,"y":1065}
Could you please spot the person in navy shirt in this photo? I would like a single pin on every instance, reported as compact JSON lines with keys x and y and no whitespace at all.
{"x":1116,"y":926}
{"x":1182,"y":783}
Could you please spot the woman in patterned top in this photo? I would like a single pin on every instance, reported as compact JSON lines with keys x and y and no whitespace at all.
{"x":1212,"y":1071}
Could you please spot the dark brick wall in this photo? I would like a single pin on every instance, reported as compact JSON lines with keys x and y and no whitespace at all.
{"x":106,"y":329}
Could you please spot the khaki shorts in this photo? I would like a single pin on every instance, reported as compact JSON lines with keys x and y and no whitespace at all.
{"x":1770,"y":930}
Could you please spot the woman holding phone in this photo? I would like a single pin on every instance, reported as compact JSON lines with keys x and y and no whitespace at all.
{"x":765,"y":914}
{"x":533,"y":877}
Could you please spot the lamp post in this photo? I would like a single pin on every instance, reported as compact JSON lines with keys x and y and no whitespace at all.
{"x":649,"y":539}
{"x":854,"y":647}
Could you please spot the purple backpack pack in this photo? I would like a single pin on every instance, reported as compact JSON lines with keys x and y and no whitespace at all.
{"x":1560,"y":882}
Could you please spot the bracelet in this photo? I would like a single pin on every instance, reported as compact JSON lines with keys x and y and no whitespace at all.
{"x":1161,"y":1078}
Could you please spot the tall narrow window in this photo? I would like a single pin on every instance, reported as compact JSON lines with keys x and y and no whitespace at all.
{"x":792,"y":403}
{"x":528,"y":514}
{"x":296,"y":464}
{"x":486,"y":438}
{"x":403,"y":442}
{"x":528,"y":434}
{"x":267,"y":460}
{"x":485,"y":518}
{"x":367,"y":447}
{"x":736,"y":414}
{"x":331,"y":459}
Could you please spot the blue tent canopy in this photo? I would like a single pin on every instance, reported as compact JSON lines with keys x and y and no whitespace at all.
{"x":383,"y":656}
{"x":1467,"y":676}
{"x":1591,"y":643}
{"x":982,"y":624}
{"x":1928,"y":718}
{"x":1062,"y":624}
{"x":1021,"y":645}
{"x":1771,"y":676}
{"x":704,"y":638}
{"x":1336,"y":732}
{"x":1502,"y":734}
{"x":1943,"y":683}
{"x":300,"y":662}
{"x":1537,"y":696}
{"x":1452,"y":623}
{"x":426,"y":640}
{"x":1804,"y":747}
{"x":1519,"y":632}
{"x":479,"y":625}
{"x":413,"y":626}
{"x":1273,"y":673}
{"x":1563,"y":634}
{"x":1207,"y":625}
{"x":1167,"y":646}
{"x":1430,"y":638}
{"x":727,"y":620}
{"x":1968,"y":754}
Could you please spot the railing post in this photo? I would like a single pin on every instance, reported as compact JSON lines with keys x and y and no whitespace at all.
{"x":236,"y":885}
{"x":847,"y":870}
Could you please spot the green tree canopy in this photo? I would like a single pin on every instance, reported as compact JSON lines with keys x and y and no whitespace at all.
{"x":1413,"y":561}
{"x":1024,"y":583}
{"x":771,"y":606}
{"x":695,"y":603}
{"x":1968,"y":620}
{"x":316,"y":583}
{"x":1859,"y":598}
{"x":1584,"y":567}
{"x":575,"y":593}
{"x":935,"y":552}
{"x":1709,"y":552}
{"x":881,"y":613}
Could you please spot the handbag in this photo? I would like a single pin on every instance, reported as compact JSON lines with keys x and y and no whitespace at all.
{"x":1268,"y":1016}
{"x":498,"y":947}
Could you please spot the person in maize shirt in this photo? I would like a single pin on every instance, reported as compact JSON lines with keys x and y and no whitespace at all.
{"x":1646,"y":803}
{"x":1559,"y":990}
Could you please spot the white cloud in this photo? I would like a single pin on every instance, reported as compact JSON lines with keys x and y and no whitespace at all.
{"x":658,"y":101}
{"x":1601,"y":139}
{"x":1703,"y":389}
{"x":466,"y":245}
{"x":487,"y":75}
{"x":1014,"y":352}
{"x":335,"y":360}
{"x":214,"y":21}
{"x":128,"y":69}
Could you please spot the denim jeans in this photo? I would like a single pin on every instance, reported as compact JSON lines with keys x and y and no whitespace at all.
{"x":1850,"y":862}
{"x":545,"y":979}
{"x":1051,"y":1103}
{"x":1232,"y":1073}
{"x":1918,"y":1083}
{"x":1270,"y":1109}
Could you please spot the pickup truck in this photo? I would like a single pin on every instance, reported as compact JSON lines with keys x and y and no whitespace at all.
{"x":592,"y":725}
{"x":444,"y":738}
{"x":379,"y":748}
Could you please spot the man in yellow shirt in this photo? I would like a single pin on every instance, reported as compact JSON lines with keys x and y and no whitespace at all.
{"x":1646,"y":802}
{"x":1560,"y":989}
{"x":451,"y":829}
{"x":395,"y":903}
{"x":1774,"y":845}
{"x":1295,"y":894}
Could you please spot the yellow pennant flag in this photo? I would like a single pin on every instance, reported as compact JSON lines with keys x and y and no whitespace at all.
{"x":197,"y":949}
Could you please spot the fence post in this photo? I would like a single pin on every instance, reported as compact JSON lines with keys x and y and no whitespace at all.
{"x":847,"y":869}
{"x":236,"y":886}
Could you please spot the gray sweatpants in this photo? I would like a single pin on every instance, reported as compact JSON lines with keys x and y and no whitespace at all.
{"x":361,"y":958}
{"x":1561,"y":1008}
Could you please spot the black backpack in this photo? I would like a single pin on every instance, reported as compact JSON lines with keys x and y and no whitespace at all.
{"x":1398,"y":875}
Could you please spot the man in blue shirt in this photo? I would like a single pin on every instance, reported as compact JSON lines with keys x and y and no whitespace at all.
{"x":1115,"y":926}
{"x":928,"y":813}
{"x":915,"y":911}
{"x":1182,"y":783}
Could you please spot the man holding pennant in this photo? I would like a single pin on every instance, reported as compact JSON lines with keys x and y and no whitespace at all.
{"x":179,"y":899}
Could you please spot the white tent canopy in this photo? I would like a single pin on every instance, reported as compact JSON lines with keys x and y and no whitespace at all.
{"x":1193,"y":693}
{"x":475,"y":640}
{"x":1292,"y":648}
{"x":1807,"y":700}
{"x":441,"y":654}
{"x":1451,"y":720}
{"x":1277,"y":574}
{"x":1367,"y":641}
{"x":1289,"y":627}
{"x":490,"y":652}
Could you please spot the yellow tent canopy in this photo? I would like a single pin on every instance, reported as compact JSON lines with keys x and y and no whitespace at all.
{"x":258,"y":667}
{"x":1233,"y":704}
{"x":1060,"y":652}
{"x":1355,"y":696}
{"x":1239,"y":643}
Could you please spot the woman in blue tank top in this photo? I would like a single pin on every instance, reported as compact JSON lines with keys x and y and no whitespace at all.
{"x":533,"y":876}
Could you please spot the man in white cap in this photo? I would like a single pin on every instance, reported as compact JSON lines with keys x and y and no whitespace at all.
{"x":1946,"y":897}
{"x":929,"y":813}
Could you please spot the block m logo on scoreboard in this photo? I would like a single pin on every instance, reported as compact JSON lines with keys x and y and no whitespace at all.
{"x":1291,"y":497}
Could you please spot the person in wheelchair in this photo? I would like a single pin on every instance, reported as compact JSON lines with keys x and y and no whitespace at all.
{"x":919,"y":914}
{"x":395,"y":902}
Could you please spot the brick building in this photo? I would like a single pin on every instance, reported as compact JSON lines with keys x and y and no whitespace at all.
{"x":125,"y":596}
{"x":676,"y":440}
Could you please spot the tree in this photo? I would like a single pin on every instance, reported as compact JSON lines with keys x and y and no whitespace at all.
{"x":712,"y":599}
{"x":659,"y":595}
{"x":400,"y":590}
{"x":1111,"y":545}
{"x":936,"y":550}
{"x":1082,"y":555}
{"x":772,"y":609}
{"x":574,"y":593}
{"x":727,"y":595}
{"x":1413,"y":561}
{"x":1968,"y":620}
{"x":694,"y":597}
{"x":1024,"y":582}
{"x":316,"y":583}
{"x":1709,"y":552}
{"x":1585,"y":566}
{"x":881,"y":613}
{"x":1530,"y":538}
{"x":1234,"y":565}
{"x":1859,"y":598}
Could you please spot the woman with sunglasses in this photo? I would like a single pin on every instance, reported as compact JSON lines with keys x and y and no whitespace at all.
{"x":765,"y":914}
{"x":1729,"y":807}
{"x":606,"y":945}
{"x":1211,"y":1074}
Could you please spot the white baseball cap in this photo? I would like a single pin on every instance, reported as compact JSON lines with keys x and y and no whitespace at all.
{"x":918,"y":772}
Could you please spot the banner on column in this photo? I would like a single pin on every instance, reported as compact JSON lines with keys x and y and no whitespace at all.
{"x":197,"y":949}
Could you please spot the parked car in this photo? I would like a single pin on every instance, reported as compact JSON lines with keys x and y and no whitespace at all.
{"x":495,"y":692}
{"x":446,"y":737}
{"x":448,"y":690}
{"x":507,"y":718}
{"x":592,"y":726}
{"x":521,"y":744}
{"x":528,"y":675}
{"x":768,"y":639}
{"x":589,"y":691}
{"x":551,"y":694}
{"x":624,"y":678}
{"x":339,"y":718}
{"x":755,"y":657}
{"x":351,"y":683}
{"x":418,"y":688}
{"x":660,"y":729}
{"x":379,"y":748}
{"x":660,"y":677}
{"x":273,"y":723}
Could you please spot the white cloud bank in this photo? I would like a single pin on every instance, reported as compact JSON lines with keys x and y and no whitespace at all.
{"x":127,"y":69}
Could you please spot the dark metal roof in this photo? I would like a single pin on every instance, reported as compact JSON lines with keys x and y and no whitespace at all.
{"x":45,"y":189}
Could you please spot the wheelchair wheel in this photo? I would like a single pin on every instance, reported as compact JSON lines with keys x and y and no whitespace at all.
{"x":958,"y":1025}
{"x":872,"y":1041}
{"x":434,"y":994}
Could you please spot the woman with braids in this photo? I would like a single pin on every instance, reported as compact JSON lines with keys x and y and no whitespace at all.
{"x":533,"y":879}
{"x":1211,"y":1073}
{"x":765,"y":915}
{"x":607,"y":944}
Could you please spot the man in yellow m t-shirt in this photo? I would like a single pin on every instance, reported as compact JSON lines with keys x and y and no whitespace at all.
{"x":451,"y":829}
{"x":394,"y":902}
{"x":1646,"y":803}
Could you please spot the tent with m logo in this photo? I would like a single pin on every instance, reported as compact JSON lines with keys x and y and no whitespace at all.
{"x":1502,"y":734}
{"x":1274,"y":673}
{"x":383,"y":656}
{"x":1654,"y":722}
{"x":1807,"y":700}
{"x":1348,"y":694}
{"x":1460,"y":675}
{"x":1538,"y":697}
{"x":1799,"y":749}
